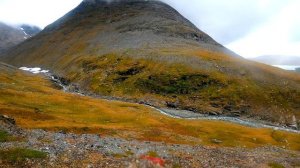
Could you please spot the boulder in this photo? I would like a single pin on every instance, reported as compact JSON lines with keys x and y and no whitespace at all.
{"x":7,"y":119}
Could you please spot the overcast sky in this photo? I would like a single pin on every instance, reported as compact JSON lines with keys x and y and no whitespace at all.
{"x":249,"y":27}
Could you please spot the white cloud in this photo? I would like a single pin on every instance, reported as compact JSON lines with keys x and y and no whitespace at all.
{"x":36,"y":12}
{"x":275,"y":37}
{"x":248,"y":27}
{"x":225,"y":20}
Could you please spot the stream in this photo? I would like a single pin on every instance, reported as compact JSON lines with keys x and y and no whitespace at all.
{"x":173,"y":113}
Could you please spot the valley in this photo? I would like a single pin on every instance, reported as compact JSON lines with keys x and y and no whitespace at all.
{"x":190,"y":73}
{"x":43,"y":109}
{"x":173,"y":113}
{"x":133,"y":83}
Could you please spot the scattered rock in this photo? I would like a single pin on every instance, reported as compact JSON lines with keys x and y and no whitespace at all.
{"x":37,"y":110}
{"x":293,"y":123}
{"x":213,"y":111}
{"x":216,"y":141}
{"x":7,"y":119}
{"x":69,"y":150}
{"x":235,"y":114}
{"x":172,"y":104}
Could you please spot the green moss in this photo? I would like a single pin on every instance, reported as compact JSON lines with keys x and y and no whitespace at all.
{"x":152,"y":154}
{"x":119,"y":155}
{"x":123,"y":155}
{"x":129,"y":153}
{"x":275,"y":165}
{"x":176,"y":84}
{"x":5,"y":137}
{"x":20,"y":154}
{"x":176,"y":165}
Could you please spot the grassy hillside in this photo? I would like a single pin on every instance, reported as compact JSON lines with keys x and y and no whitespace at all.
{"x":246,"y":89}
{"x":35,"y":103}
{"x":146,"y":51}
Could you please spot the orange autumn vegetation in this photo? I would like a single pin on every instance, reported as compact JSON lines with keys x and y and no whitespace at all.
{"x":201,"y":81}
{"x":35,"y":103}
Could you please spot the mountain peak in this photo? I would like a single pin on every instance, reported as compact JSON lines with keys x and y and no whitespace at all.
{"x":144,"y":23}
{"x":114,"y":1}
{"x":142,"y":15}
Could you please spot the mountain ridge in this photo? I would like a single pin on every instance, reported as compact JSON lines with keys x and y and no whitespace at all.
{"x":11,"y":36}
{"x":278,"y":59}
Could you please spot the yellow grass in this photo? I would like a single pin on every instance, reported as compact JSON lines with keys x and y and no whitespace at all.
{"x":34,"y":103}
{"x":267,"y":95}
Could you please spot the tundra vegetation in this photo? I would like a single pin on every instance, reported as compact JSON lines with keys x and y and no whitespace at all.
{"x":35,"y":103}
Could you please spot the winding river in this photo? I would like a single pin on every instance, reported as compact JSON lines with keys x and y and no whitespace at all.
{"x":173,"y":113}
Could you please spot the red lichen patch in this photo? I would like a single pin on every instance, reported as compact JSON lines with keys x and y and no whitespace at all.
{"x":154,"y":160}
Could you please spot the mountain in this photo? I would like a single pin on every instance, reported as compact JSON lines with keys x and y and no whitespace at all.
{"x":11,"y":36}
{"x":30,"y":30}
{"x":278,"y":60}
{"x":145,"y":51}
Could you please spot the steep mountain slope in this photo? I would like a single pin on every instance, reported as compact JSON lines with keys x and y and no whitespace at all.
{"x":30,"y":30}
{"x":11,"y":36}
{"x":278,"y":59}
{"x":146,"y":51}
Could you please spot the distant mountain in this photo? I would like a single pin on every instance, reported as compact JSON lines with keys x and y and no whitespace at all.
{"x":30,"y":30}
{"x":11,"y":36}
{"x":278,"y":60}
{"x":147,"y":52}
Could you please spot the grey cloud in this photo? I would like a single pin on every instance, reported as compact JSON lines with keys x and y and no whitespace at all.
{"x":227,"y":21}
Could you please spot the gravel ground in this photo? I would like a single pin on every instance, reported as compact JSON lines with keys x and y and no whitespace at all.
{"x":91,"y":150}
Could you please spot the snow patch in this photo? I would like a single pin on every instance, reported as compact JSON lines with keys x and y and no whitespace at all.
{"x":26,"y":35}
{"x":35,"y":70}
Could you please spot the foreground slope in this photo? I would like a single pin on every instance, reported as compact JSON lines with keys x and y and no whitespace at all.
{"x":148,"y":52}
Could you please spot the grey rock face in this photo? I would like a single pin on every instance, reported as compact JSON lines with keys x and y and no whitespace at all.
{"x":9,"y":36}
{"x":30,"y":30}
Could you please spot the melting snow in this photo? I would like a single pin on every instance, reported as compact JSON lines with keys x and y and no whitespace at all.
{"x":26,"y":35}
{"x":35,"y":70}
